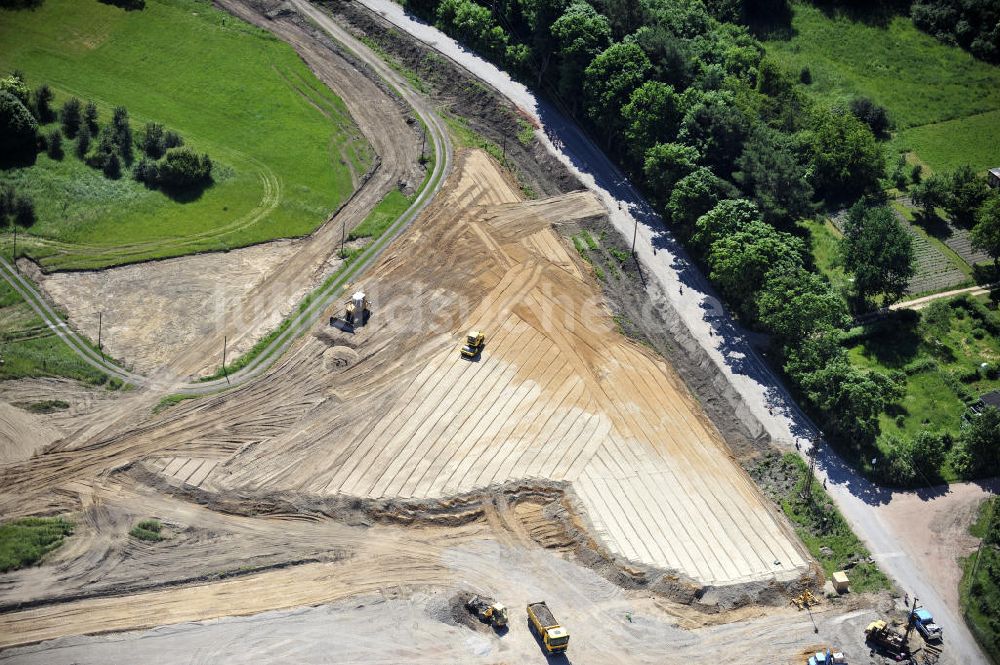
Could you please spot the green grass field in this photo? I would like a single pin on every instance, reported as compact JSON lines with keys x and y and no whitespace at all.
{"x":29,"y":348}
{"x":940,"y":356}
{"x":24,"y":542}
{"x":923,"y":83}
{"x":947,"y":145}
{"x":284,"y":145}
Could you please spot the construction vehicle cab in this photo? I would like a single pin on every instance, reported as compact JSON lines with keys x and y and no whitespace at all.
{"x":923,"y":621}
{"x":554,"y":637}
{"x":474,"y":343}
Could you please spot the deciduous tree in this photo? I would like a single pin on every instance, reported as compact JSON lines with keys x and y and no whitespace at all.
{"x":878,"y":251}
{"x":580,"y":34}
{"x":18,"y":128}
{"x":850,"y":399}
{"x":846,"y":159}
{"x":609,"y":81}
{"x":931,"y":193}
{"x":740,"y":261}
{"x":693,"y":196}
{"x":651,"y":117}
{"x":794,"y":303}
{"x":726,"y":218}
{"x":966,"y":192}
{"x":986,"y":233}
{"x":665,"y":165}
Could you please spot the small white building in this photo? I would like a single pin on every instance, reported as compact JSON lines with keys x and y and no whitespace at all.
{"x":993,"y":177}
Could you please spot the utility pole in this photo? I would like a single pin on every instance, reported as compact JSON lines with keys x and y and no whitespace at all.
{"x":635,"y":232}
{"x":343,"y":233}
{"x":224,"y":342}
{"x":100,"y":329}
{"x":13,"y":256}
{"x":423,"y":143}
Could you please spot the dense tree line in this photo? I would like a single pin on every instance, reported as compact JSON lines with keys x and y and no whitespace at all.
{"x":972,"y":24}
{"x":110,"y":148}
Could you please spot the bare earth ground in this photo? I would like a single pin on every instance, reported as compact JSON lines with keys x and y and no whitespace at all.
{"x":22,"y":433}
{"x":153,"y":311}
{"x":935,"y":529}
{"x":549,"y":415}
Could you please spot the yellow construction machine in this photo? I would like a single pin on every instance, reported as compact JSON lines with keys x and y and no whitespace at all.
{"x":356,"y":312}
{"x":474,"y":343}
{"x":804,"y":600}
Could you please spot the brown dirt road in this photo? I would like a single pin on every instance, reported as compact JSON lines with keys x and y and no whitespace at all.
{"x":933,"y":526}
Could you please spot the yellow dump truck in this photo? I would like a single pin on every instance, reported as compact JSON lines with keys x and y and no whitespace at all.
{"x":554,"y":637}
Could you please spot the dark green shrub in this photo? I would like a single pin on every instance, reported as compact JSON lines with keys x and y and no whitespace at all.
{"x":182,"y":168}
{"x":148,"y":530}
{"x":70,"y":116}
{"x":53,"y":144}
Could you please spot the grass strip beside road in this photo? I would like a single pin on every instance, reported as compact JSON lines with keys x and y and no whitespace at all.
{"x":54,"y":349}
{"x":817,"y":522}
{"x":979,"y":590}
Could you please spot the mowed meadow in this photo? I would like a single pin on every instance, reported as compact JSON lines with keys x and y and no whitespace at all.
{"x":945,"y":104}
{"x":285,"y":150}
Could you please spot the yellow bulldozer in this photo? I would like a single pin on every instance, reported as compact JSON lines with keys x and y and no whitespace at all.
{"x":474,"y":343}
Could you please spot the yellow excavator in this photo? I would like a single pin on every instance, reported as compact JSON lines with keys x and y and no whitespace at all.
{"x":474,"y":343}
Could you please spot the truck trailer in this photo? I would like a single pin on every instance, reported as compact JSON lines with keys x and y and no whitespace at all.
{"x":554,"y":637}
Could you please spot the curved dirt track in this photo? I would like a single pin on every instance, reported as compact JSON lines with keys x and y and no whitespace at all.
{"x":380,"y":119}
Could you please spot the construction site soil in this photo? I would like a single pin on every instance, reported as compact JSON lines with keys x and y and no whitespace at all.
{"x":403,"y":435}
{"x":377,"y":470}
{"x":642,"y":313}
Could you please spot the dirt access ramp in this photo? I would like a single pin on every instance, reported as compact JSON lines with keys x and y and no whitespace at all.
{"x":557,"y":395}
